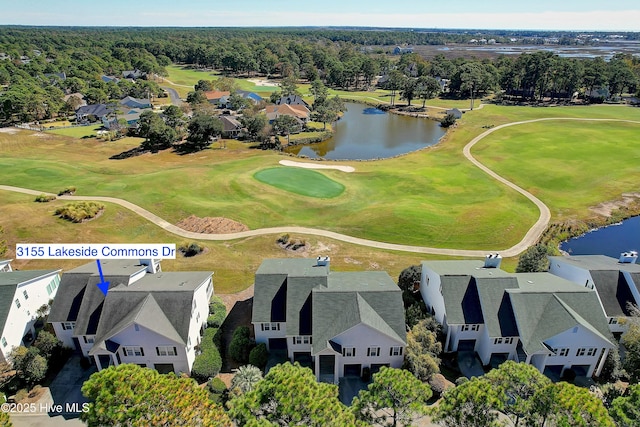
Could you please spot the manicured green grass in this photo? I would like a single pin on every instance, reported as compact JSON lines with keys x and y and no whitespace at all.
{"x":300,"y":181}
{"x":77,"y":132}
{"x":430,"y":198}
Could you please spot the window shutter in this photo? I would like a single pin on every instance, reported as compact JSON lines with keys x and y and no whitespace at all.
{"x":158,"y":351}
{"x":175,"y":351}
{"x":369,"y":352}
{"x":354,"y":352}
{"x":142,"y":351}
{"x":390,"y":351}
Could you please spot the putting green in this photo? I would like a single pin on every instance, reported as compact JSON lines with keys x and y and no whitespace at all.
{"x":300,"y":181}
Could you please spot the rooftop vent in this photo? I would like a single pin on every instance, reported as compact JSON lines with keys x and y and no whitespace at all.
{"x":323,"y":261}
{"x":492,"y":261}
{"x":628,"y":257}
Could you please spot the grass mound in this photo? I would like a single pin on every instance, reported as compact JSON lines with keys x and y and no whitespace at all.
{"x":80,"y":211}
{"x":301,"y":181}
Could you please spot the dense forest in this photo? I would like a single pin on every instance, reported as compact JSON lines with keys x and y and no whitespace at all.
{"x":33,"y":59}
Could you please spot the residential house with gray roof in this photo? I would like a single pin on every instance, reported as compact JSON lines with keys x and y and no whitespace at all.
{"x":537,"y":318}
{"x":22,"y":293}
{"x":148,"y":317}
{"x":616,"y":282}
{"x":337,"y":323}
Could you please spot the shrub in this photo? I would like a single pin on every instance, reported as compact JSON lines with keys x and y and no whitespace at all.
{"x":44,"y":198}
{"x":80,"y":211}
{"x":215,"y":320}
{"x":68,"y":190}
{"x":191,"y":249}
{"x":259,"y":355}
{"x":217,"y":390}
{"x":217,"y":305}
{"x":448,"y":121}
{"x":439,"y":384}
{"x":283,"y":239}
{"x":208,"y":363}
{"x":241,"y":345}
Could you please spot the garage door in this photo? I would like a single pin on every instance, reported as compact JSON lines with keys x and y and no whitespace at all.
{"x":352,"y":370}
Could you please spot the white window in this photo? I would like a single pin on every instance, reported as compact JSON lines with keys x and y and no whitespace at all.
{"x":68,"y":326}
{"x":136,"y":327}
{"x":348,"y":352}
{"x":562,"y":352}
{"x":198,"y":317}
{"x":89,"y":339}
{"x":373,"y":351}
{"x":581,"y":352}
{"x":497,"y":341}
{"x":302,"y":340}
{"x":271,"y":326}
{"x":193,"y":307}
{"x":473,"y":328}
{"x":4,"y":342}
{"x":395,"y":351}
{"x":210,"y":288}
{"x":189,"y":344}
{"x":166,"y":350}
{"x":592,"y":351}
{"x":26,"y":295}
{"x":133,"y":351}
{"x":49,"y":289}
{"x":17,"y":303}
{"x":613,"y":321}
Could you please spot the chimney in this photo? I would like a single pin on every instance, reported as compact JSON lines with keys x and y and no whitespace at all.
{"x":153,"y":265}
{"x":323,"y":261}
{"x":492,"y":261}
{"x":628,"y":257}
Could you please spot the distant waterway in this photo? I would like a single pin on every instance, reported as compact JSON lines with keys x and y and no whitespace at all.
{"x":611,"y":240}
{"x":365,"y":133}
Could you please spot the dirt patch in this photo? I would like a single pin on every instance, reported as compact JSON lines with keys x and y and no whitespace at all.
{"x":606,"y":208}
{"x":262,"y":82}
{"x":10,"y":131}
{"x":211,"y":225}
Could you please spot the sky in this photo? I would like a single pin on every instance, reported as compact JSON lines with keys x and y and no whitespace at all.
{"x":580,"y":15}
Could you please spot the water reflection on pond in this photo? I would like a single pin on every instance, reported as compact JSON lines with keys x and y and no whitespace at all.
{"x":610,"y":241}
{"x":368,"y":133}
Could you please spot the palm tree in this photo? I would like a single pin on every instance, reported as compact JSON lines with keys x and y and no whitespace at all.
{"x":246,"y":378}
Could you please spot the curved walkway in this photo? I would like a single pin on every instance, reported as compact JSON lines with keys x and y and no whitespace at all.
{"x":529,"y":239}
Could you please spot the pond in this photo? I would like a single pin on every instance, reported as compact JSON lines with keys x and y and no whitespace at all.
{"x":368,"y":133}
{"x":610,"y":241}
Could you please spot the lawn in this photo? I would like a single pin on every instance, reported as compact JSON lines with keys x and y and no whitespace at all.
{"x":78,"y":131}
{"x":433,"y":197}
{"x":300,"y":181}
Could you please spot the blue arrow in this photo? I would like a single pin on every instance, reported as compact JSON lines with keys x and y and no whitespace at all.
{"x":104,"y":286}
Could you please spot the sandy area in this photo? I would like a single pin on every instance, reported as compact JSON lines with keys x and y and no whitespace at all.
{"x":316,"y":166}
{"x":211,"y":225}
{"x":10,"y":131}
{"x":605,"y":208}
{"x":262,"y":82}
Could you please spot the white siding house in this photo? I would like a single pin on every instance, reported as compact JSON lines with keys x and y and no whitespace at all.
{"x":537,"y":318}
{"x":614,"y":280}
{"x":148,"y":317}
{"x":22,"y":293}
{"x":338,"y":324}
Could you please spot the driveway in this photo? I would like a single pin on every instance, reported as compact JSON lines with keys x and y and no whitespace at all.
{"x":62,"y":403}
{"x":173,"y":94}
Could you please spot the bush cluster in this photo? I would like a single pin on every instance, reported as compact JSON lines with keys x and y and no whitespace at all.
{"x":209,"y":362}
{"x":241,"y":344}
{"x":217,"y":312}
{"x":44,"y":198}
{"x":259,"y":356}
{"x":190,"y":249}
{"x":67,"y":190}
{"x":79,"y":211}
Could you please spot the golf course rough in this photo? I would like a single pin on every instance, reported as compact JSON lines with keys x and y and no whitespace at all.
{"x":304,"y":182}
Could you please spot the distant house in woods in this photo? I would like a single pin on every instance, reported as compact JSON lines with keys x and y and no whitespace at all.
{"x":231,"y":127}
{"x":455,"y":113}
{"x":148,"y":317}
{"x":339,"y":324}
{"x":78,"y":96}
{"x":215,"y":96}
{"x":251,"y":96}
{"x":300,"y":112}
{"x":132,"y":102}
{"x":292,"y":100}
{"x":133,"y":74}
{"x":537,"y":318}
{"x":398,"y":50}
{"x":616,"y":281}
{"x":108,"y":79}
{"x":22,"y":293}
{"x":93,"y":112}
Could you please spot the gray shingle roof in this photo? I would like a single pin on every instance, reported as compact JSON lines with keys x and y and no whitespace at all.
{"x":610,"y":283}
{"x":324,"y":304}
{"x":9,"y":282}
{"x":496,"y":310}
{"x":66,"y":304}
